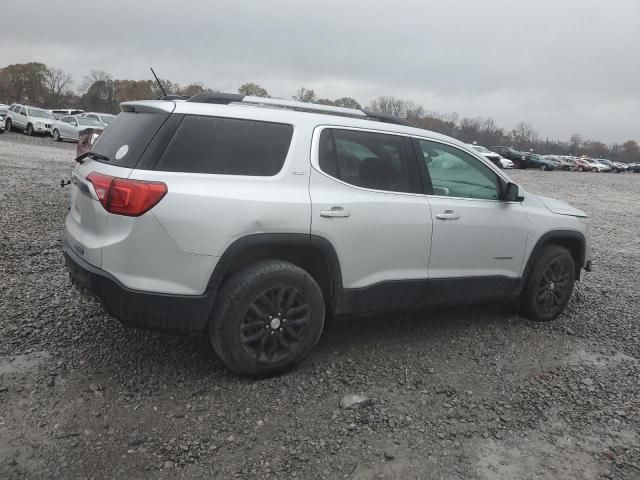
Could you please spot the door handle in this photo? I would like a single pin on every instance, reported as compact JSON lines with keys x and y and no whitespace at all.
{"x":335,"y":212}
{"x":447,"y":215}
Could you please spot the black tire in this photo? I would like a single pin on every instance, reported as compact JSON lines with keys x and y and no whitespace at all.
{"x":543,"y":167}
{"x":594,"y":170}
{"x":56,"y":135}
{"x":549,"y":285}
{"x":580,"y":169}
{"x":29,"y":131}
{"x":615,"y":170}
{"x":249,"y":329}
{"x":517,"y":164}
{"x":8,"y":125}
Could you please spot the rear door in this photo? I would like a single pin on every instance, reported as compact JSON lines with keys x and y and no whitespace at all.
{"x":21,"y":117}
{"x":367,"y":202}
{"x":479,"y":241}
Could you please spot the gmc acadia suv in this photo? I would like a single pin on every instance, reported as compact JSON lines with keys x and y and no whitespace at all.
{"x":250,"y":220}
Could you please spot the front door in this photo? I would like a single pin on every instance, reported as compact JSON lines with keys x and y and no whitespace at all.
{"x":479,"y":241}
{"x":367,"y":201}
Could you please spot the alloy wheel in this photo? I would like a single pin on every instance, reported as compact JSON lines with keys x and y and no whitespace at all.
{"x":554,"y":286}
{"x":275,"y":325}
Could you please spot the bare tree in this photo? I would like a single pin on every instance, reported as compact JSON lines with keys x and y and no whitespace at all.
{"x":388,"y":105}
{"x":94,"y":76}
{"x":347,"y":102}
{"x":56,"y":82}
{"x":305,"y":95}
{"x":252,"y":90}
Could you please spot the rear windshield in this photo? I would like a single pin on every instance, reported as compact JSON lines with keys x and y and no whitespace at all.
{"x":126,"y":139}
{"x":226,"y":146}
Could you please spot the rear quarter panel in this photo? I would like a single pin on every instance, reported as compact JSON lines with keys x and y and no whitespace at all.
{"x":205,"y":213}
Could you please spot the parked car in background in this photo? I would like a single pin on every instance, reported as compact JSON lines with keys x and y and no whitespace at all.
{"x":560,"y":163}
{"x":68,"y":128}
{"x":580,"y":165}
{"x":104,"y":118}
{"x":634,"y":167}
{"x":64,"y":112}
{"x":518,"y":158}
{"x":493,"y":157}
{"x":616,"y":167}
{"x":3,"y":115}
{"x":596,"y":166}
{"x":30,"y":120}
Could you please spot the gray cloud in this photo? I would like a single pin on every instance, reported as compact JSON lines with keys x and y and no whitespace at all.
{"x":565,"y":66}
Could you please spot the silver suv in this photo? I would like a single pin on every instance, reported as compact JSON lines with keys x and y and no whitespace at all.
{"x":31,"y":120}
{"x":251,"y":220}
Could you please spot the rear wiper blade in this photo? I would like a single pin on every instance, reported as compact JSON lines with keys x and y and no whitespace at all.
{"x":95,"y":155}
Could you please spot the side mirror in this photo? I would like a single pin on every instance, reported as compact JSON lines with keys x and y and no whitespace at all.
{"x":512,"y":193}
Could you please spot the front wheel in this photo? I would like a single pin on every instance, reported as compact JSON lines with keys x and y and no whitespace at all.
{"x":30,"y":131}
{"x":549,"y":285}
{"x":543,"y":167}
{"x":594,"y":170}
{"x":56,"y":135}
{"x":268,"y":317}
{"x":7,"y":125}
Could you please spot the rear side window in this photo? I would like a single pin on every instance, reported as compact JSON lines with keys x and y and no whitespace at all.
{"x":227,"y":146}
{"x":370,"y":160}
{"x":126,"y":139}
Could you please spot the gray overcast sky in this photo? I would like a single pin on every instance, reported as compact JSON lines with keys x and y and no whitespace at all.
{"x":566,"y":66}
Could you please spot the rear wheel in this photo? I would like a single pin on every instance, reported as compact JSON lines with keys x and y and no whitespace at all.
{"x":56,"y":135}
{"x":615,"y":170}
{"x":549,"y":285}
{"x":268,"y":318}
{"x":543,"y":167}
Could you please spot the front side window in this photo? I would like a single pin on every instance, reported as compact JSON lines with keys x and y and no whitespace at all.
{"x":455,"y":173}
{"x":365,"y":159}
{"x":23,"y":111}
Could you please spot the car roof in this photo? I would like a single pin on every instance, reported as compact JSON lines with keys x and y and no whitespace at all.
{"x":284,"y":115}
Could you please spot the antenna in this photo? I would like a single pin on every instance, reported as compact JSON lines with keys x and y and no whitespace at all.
{"x":159,"y":84}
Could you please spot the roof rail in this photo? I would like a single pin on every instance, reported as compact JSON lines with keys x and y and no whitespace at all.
{"x":304,"y":106}
{"x":228,"y":98}
{"x":386,"y":118}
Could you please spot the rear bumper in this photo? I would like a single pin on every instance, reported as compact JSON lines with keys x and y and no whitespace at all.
{"x":184,"y":314}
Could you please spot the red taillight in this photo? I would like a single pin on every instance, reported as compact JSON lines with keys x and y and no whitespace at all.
{"x":122,"y":196}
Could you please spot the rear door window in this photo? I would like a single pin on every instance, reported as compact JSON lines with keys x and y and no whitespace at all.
{"x":226,"y":146}
{"x":126,"y":139}
{"x":366,"y":159}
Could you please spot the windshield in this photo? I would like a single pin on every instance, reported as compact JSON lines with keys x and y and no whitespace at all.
{"x":480,"y":148}
{"x":89,"y":122}
{"x":107,"y":119}
{"x":39,"y":113}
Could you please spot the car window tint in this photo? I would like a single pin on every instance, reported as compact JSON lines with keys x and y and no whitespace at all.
{"x":365,"y":159}
{"x":23,"y":111}
{"x":130,"y":133}
{"x":226,"y":146}
{"x":455,"y":173}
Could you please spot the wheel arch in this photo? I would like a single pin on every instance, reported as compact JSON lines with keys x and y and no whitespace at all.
{"x":572,"y":240}
{"x":312,"y":253}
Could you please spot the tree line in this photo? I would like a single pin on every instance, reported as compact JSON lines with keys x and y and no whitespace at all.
{"x":44,"y":86}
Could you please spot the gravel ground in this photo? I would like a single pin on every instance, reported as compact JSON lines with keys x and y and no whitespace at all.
{"x":476,"y":393}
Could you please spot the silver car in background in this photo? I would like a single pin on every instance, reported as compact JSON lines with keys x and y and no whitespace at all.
{"x":104,"y":118}
{"x":30,"y":120}
{"x":69,"y":128}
